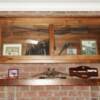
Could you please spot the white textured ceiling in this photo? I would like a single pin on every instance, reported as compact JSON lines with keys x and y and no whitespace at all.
{"x":49,"y":5}
{"x":49,"y":0}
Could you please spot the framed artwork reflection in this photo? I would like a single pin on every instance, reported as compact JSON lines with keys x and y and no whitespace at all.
{"x":12,"y":49}
{"x":89,"y":47}
{"x":71,"y":51}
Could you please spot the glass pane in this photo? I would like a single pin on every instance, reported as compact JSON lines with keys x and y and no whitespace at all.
{"x":68,"y":40}
{"x":25,"y":40}
{"x":72,"y":51}
{"x":66,"y":47}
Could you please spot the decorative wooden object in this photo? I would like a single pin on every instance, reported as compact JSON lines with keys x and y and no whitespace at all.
{"x":83,"y":72}
{"x":51,"y":74}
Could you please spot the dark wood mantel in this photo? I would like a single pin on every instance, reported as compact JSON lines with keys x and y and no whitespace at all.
{"x":44,"y":82}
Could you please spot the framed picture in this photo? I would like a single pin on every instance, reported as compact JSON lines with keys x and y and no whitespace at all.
{"x":12,"y":49}
{"x":13,"y":73}
{"x":89,"y":47}
{"x":71,"y":51}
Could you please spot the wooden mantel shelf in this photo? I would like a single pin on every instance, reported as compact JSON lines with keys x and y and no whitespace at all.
{"x":51,"y":59}
{"x":43,"y":82}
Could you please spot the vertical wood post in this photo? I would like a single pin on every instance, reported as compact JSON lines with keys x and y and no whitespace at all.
{"x":0,"y":40}
{"x":79,"y":48}
{"x":98,"y":47}
{"x":52,"y":41}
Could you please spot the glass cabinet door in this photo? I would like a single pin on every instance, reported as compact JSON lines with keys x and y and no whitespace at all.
{"x":25,"y":39}
{"x":75,"y":40}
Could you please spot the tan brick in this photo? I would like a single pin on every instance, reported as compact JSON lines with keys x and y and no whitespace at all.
{"x":2,"y":95}
{"x":30,"y":94}
{"x":60,"y":93}
{"x":94,"y":99}
{"x":83,"y":98}
{"x":23,"y":88}
{"x":67,"y":87}
{"x":37,"y":88}
{"x":2,"y":88}
{"x":52,"y":88}
{"x":82,"y":88}
{"x":73,"y":93}
{"x":11,"y":96}
{"x":95,"y":93}
{"x":53,"y":98}
{"x":68,"y":98}
{"x":96,"y":88}
{"x":45,"y":93}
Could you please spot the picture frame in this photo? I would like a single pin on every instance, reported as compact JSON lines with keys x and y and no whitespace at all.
{"x":89,"y":47}
{"x":71,"y":51}
{"x":13,"y":73}
{"x":12,"y":49}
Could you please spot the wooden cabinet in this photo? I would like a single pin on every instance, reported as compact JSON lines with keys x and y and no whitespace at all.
{"x":48,"y":39}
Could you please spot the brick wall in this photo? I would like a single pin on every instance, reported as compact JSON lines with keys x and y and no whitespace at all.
{"x":49,"y":13}
{"x":46,"y":92}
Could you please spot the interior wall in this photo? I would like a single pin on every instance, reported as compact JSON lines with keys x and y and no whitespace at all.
{"x":46,"y":92}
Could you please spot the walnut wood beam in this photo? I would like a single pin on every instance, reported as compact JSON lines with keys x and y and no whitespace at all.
{"x":50,"y":59}
{"x":52,"y":39}
{"x":72,"y":21}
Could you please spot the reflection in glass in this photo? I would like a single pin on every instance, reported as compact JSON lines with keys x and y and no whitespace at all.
{"x":34,"y":39}
{"x":37,"y":48}
{"x":71,"y":51}
{"x":89,"y":47}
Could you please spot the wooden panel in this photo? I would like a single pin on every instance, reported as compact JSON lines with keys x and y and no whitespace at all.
{"x":44,"y":82}
{"x":53,"y":20}
{"x":20,"y":39}
{"x":51,"y":33}
{"x":78,"y":36}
